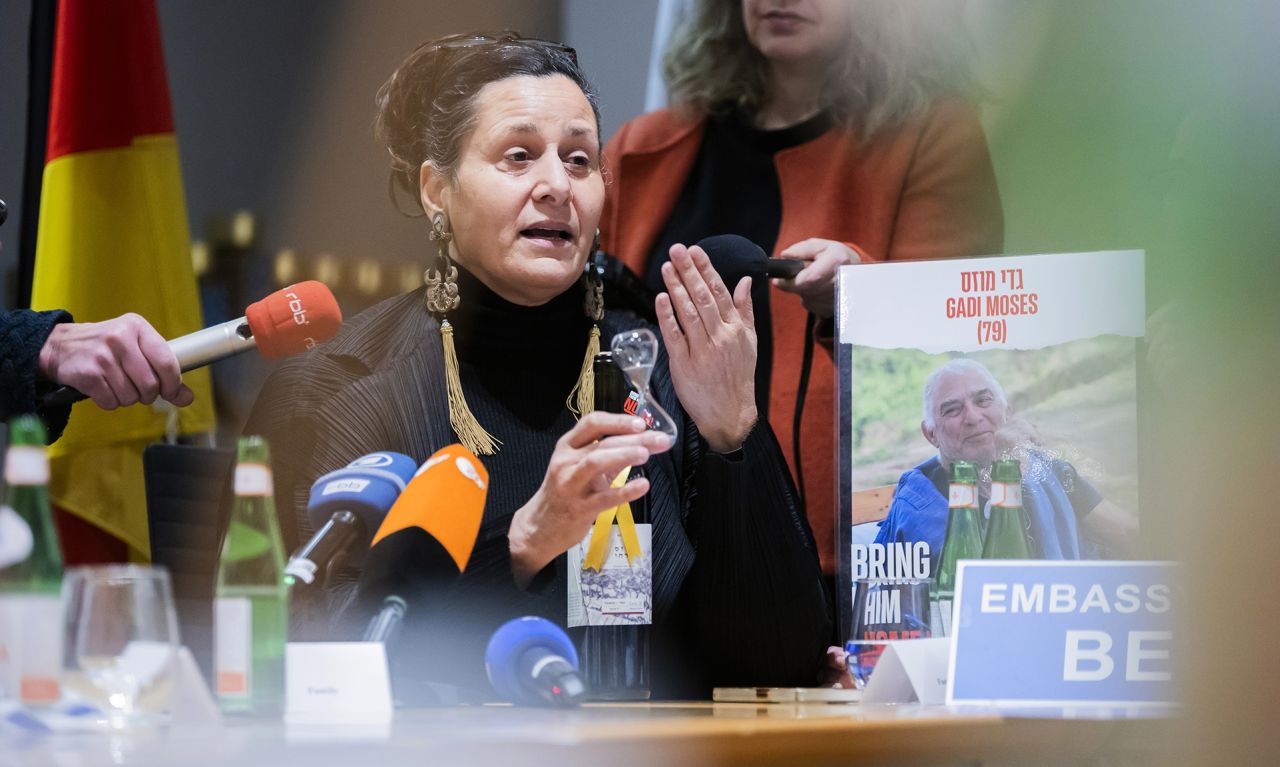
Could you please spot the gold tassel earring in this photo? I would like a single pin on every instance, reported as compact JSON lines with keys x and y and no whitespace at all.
{"x":582,"y":398}
{"x":442,"y":297}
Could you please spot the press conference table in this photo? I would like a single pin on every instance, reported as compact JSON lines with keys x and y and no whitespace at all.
{"x":628,"y":734}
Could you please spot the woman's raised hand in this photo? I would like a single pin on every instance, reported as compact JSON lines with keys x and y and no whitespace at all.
{"x":577,"y":487}
{"x":710,"y":337}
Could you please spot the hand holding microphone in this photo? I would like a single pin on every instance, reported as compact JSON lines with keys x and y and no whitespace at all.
{"x":123,"y":361}
{"x":816,"y":282}
{"x":116,"y":363}
{"x":808,"y":268}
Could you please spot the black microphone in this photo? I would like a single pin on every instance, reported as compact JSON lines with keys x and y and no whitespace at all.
{"x":735,"y":257}
{"x":345,"y":508}
{"x":385,"y":626}
{"x":289,"y":321}
{"x":4,"y":212}
{"x":426,"y":540}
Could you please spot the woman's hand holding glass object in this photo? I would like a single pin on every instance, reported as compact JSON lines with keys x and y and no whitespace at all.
{"x":578,"y":486}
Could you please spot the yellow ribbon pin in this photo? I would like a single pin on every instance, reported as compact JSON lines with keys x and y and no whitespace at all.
{"x":598,"y":549}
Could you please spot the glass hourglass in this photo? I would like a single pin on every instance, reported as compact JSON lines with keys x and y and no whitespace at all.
{"x":636,"y":351}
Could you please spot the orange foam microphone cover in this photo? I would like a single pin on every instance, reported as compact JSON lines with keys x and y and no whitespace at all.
{"x":294,"y":319}
{"x":446,"y":499}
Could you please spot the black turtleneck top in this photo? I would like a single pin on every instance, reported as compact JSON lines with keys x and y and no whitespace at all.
{"x":738,"y":597}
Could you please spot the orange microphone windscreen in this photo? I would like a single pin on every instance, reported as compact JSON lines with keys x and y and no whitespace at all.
{"x":446,"y":499}
{"x":294,"y":319}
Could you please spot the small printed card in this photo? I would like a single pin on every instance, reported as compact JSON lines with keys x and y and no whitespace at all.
{"x":620,"y":593}
{"x":911,"y":671}
{"x":337,"y":683}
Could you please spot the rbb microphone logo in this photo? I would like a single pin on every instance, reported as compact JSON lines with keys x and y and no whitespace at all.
{"x":299,"y":311}
{"x":372,"y":461}
{"x":300,"y":316}
{"x":345,"y":486}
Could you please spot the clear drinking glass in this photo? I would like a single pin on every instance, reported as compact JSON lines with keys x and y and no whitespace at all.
{"x":884,"y":611}
{"x":636,"y":352}
{"x":121,"y":641}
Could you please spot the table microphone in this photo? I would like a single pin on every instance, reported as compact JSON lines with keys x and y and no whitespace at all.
{"x":532,"y":661}
{"x":289,"y":321}
{"x":426,"y":540}
{"x":345,"y":508}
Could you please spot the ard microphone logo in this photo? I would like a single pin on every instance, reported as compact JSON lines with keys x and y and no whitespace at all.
{"x":373,"y":460}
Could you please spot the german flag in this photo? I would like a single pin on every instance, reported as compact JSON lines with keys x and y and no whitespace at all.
{"x":113,"y":239}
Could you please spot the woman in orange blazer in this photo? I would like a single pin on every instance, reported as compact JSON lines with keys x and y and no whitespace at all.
{"x":832,"y":131}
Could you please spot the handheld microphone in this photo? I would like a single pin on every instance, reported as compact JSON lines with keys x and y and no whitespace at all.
{"x":532,"y":661}
{"x":289,"y":321}
{"x":4,"y":212}
{"x":735,"y":257}
{"x":345,"y":508}
{"x":426,"y":540}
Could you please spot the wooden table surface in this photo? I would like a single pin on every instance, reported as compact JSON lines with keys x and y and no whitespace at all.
{"x":614,"y":735}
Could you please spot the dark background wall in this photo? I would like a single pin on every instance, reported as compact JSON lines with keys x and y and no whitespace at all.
{"x":274,"y":106}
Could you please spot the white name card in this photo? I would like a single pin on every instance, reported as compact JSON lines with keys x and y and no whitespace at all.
{"x":910,"y":671}
{"x":336,"y":683}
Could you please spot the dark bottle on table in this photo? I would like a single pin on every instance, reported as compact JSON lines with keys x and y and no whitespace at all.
{"x":963,"y":541}
{"x":1007,"y":528}
{"x":615,"y":659}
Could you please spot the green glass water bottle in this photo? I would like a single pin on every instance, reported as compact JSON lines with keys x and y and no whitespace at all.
{"x":27,"y":476}
{"x":30,"y":572}
{"x":1006,"y":530}
{"x":963,"y":541}
{"x":252,"y":609}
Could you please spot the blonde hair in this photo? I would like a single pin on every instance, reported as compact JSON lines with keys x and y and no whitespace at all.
{"x":900,"y":57}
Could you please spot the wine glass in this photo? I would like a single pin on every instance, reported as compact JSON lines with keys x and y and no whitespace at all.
{"x":121,"y":641}
{"x":885,"y":611}
{"x":636,"y":352}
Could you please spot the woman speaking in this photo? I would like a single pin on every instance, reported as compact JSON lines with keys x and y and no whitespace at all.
{"x":497,"y":139}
